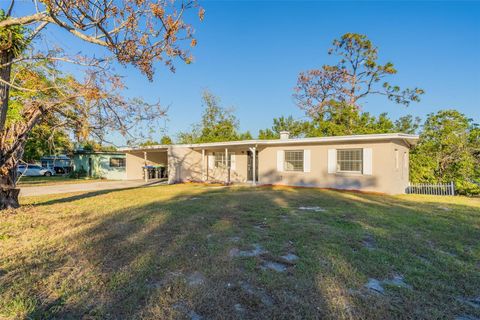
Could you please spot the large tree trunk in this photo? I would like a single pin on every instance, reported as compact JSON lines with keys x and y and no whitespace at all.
{"x":8,"y":178}
{"x":8,"y":167}
{"x":8,"y":174}
{"x":12,"y":146}
{"x":8,"y":191}
{"x":5,"y":59}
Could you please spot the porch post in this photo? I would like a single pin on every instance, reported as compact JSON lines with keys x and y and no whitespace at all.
{"x":203,"y":165}
{"x":228,"y":165}
{"x":145,"y":170}
{"x":254,"y":173}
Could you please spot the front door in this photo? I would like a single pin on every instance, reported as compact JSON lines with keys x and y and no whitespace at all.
{"x":250,"y":166}
{"x":90,"y":167}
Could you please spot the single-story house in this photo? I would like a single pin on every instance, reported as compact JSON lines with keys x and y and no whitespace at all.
{"x":373,"y":162}
{"x":101,"y":164}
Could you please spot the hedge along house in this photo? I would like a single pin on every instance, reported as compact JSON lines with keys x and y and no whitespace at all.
{"x":101,"y":164}
{"x":376,"y":162}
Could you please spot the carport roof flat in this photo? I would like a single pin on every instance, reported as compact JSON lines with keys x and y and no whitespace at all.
{"x":410,"y":139}
{"x":157,"y":147}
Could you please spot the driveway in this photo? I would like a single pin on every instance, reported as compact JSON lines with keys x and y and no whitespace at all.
{"x":82,"y":187}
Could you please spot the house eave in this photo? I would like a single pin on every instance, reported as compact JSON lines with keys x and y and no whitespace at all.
{"x":409,"y":138}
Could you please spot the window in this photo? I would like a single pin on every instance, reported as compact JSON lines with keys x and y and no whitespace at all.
{"x":47,"y":163}
{"x":294,"y":160}
{"x":220,"y":159}
{"x":350,"y":160}
{"x":117,"y":162}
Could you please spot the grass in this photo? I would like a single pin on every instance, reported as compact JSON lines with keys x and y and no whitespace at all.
{"x":131,"y":254}
{"x":52,"y":180}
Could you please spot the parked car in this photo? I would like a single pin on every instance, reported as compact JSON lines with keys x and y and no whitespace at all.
{"x":33,"y":170}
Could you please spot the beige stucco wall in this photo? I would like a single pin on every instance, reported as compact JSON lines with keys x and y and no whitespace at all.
{"x":389,"y":172}
{"x":135,"y":162}
{"x":401,"y":172}
{"x":238,"y":174}
{"x":184,"y":164}
{"x":385,"y":177}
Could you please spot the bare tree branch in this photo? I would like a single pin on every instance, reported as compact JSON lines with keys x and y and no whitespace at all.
{"x":10,"y":8}
{"x":24,"y":21}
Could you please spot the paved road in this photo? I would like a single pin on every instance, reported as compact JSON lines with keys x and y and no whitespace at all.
{"x":81,"y":187}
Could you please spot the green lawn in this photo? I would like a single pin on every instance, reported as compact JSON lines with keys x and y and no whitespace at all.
{"x":45,"y":181}
{"x":198,"y":252}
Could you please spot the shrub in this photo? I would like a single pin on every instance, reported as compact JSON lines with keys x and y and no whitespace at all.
{"x":467,"y":188}
{"x":78,"y":174}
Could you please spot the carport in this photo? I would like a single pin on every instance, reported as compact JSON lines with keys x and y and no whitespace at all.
{"x":142,"y":159}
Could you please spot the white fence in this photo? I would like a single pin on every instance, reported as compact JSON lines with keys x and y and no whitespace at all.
{"x":437,"y":189}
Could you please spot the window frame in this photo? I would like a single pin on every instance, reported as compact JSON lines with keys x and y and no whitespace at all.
{"x":122,"y":162}
{"x":299,"y":161}
{"x":221,"y":163}
{"x":339,"y":161}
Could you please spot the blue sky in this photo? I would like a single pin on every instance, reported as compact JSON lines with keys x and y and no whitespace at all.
{"x":249,"y":53}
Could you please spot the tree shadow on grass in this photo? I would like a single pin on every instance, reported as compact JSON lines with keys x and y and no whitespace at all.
{"x":61,"y":198}
{"x":136,"y":262}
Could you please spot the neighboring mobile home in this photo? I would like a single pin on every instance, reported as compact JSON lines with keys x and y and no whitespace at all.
{"x":100,"y":164}
{"x":375,"y":162}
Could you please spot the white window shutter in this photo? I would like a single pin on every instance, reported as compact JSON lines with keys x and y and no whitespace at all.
{"x":306,"y":160}
{"x":280,"y":160}
{"x":332,"y":161}
{"x":233,"y":162}
{"x":211,"y":161}
{"x":367,"y":161}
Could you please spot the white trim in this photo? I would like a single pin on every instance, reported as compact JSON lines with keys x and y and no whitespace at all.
{"x":306,"y":160}
{"x":367,"y":161}
{"x":280,"y":160}
{"x":332,"y":161}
